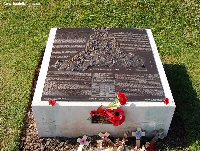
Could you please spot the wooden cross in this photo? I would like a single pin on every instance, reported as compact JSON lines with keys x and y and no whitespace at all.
{"x":138,"y":134}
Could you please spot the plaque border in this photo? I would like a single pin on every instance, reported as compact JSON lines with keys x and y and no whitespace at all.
{"x":44,"y":67}
{"x":159,"y":65}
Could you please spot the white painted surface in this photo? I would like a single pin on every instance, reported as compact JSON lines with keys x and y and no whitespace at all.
{"x":160,"y":68}
{"x":69,"y":119}
{"x":72,"y":121}
{"x":44,"y":67}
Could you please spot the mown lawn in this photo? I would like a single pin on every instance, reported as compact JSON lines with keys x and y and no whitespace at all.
{"x":24,"y":32}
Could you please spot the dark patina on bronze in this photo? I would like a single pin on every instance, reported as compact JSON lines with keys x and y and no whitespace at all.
{"x":94,"y":64}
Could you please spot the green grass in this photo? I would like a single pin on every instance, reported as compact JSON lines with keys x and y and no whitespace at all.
{"x":24,"y":32}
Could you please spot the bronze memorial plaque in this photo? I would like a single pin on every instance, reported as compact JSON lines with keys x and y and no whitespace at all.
{"x":94,"y":64}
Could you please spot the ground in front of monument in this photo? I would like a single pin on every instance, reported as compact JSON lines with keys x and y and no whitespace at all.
{"x":31,"y":141}
{"x":87,"y":69}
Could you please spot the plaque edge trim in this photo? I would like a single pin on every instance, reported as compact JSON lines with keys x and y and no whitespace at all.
{"x":160,"y":68}
{"x":44,"y":68}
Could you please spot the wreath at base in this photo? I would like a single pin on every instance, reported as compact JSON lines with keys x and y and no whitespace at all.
{"x":113,"y":113}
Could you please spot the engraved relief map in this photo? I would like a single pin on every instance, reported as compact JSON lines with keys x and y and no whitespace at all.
{"x":95,"y":64}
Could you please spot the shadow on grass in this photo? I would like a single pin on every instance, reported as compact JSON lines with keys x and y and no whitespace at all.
{"x":185,"y":126}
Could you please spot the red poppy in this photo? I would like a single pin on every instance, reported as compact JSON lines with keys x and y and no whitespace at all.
{"x":52,"y":102}
{"x":101,"y":111}
{"x":122,"y":98}
{"x":93,"y":113}
{"x":152,"y":147}
{"x":116,"y":116}
{"x":109,"y":114}
{"x":118,"y":113}
{"x":109,"y":110}
{"x":166,"y":101}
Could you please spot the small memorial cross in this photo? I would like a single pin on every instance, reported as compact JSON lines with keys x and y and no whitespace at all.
{"x":138,"y":134}
{"x":104,"y":138}
{"x":83,"y":141}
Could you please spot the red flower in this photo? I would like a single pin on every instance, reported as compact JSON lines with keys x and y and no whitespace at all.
{"x":119,"y":116}
{"x":122,"y":98}
{"x":166,"y":101}
{"x":116,"y":116}
{"x":118,"y":113}
{"x":52,"y":102}
{"x":101,"y":111}
{"x":152,"y":147}
{"x":93,"y":113}
{"x":109,"y":114}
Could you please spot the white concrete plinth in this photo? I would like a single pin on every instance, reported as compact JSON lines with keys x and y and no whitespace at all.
{"x":69,"y":119}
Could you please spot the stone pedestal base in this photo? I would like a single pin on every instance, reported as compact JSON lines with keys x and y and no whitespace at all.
{"x":69,"y":119}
